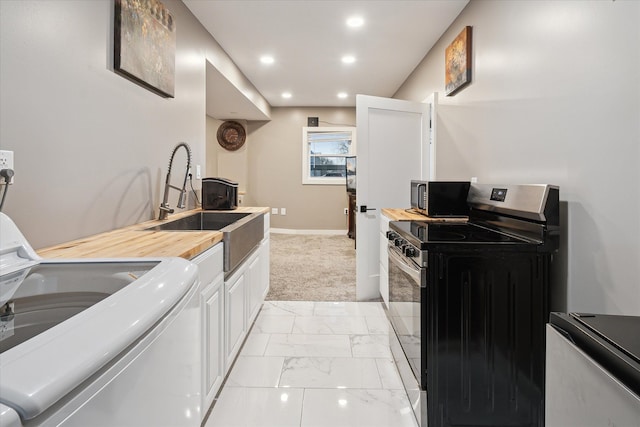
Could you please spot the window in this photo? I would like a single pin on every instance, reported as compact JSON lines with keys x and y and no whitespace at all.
{"x":324,"y":150}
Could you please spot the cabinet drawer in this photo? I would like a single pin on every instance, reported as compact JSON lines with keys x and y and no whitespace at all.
{"x":210,"y":263}
{"x":384,"y":223}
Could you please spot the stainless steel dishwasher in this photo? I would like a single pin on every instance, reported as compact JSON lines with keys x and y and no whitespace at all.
{"x":593,"y":370}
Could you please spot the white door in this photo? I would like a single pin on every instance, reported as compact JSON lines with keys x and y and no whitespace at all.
{"x":393,"y":149}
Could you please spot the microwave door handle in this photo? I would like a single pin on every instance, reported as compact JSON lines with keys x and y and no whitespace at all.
{"x":422,"y":189}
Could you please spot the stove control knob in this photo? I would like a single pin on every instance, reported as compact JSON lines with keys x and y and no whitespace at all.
{"x":410,"y":251}
{"x":398,"y":241}
{"x":391,"y":235}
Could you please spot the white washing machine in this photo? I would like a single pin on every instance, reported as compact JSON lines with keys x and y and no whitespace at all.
{"x":97,"y":342}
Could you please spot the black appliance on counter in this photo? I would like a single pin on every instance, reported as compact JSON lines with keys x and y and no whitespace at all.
{"x":440,"y":198}
{"x":592,"y":370}
{"x":219,"y":194}
{"x":469,"y":302}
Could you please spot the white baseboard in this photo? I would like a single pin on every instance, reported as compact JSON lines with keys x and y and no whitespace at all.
{"x":324,"y":232}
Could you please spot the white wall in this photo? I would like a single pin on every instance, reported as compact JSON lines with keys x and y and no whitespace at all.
{"x":555,"y":98}
{"x":92,"y":148}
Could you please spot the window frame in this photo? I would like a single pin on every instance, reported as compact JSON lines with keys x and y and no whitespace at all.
{"x":306,"y":156}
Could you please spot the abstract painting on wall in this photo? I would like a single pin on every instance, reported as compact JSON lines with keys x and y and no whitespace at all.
{"x":145,"y":44}
{"x":458,"y":62}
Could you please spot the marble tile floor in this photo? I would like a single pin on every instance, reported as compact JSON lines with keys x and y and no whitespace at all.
{"x":320,"y":364}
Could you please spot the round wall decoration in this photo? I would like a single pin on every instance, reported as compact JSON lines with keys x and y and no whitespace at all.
{"x":231,"y":135}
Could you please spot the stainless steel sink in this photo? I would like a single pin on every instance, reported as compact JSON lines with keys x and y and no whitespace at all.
{"x":241,"y":232}
{"x":202,"y":221}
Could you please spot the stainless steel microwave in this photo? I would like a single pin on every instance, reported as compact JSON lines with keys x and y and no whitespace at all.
{"x":440,"y":198}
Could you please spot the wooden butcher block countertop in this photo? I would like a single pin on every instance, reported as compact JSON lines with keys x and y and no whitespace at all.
{"x":395,"y":214}
{"x":134,"y":241}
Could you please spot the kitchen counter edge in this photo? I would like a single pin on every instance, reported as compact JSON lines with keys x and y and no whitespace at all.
{"x":136,"y":241}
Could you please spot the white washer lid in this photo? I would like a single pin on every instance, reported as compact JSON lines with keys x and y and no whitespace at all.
{"x":15,"y":251}
{"x":9,"y":417}
{"x":16,"y":256}
{"x":40,"y":371}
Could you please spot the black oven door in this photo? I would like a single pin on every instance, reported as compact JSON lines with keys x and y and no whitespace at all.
{"x":407,"y":283}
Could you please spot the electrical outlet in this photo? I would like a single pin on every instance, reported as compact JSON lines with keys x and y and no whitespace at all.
{"x":198,"y":172}
{"x":283,"y":211}
{"x":6,"y":162}
{"x":274,"y":211}
{"x":346,"y":211}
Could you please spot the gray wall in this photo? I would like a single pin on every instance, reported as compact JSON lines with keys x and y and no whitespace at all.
{"x":275,"y":170}
{"x":268,"y":168}
{"x":555,"y":98}
{"x":233,"y":165}
{"x":91,"y":148}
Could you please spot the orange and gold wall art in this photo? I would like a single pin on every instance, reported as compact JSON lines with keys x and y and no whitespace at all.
{"x":458,"y":62}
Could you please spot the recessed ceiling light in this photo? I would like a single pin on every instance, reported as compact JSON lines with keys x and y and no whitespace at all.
{"x":355,"y":21}
{"x":266,"y":59}
{"x":348,"y":59}
{"x":342,"y":95}
{"x":286,"y":95}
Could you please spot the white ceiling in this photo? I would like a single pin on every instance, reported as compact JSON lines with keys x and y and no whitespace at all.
{"x":308,"y":38}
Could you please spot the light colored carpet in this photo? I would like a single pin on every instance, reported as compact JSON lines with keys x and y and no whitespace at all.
{"x":312,"y":268}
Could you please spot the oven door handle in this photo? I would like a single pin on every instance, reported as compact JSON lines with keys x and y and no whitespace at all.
{"x":412,"y":271}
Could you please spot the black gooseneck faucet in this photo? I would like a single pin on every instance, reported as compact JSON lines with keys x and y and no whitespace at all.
{"x":165,"y":210}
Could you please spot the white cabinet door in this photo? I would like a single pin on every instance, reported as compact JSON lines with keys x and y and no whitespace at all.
{"x":257,"y":277}
{"x":393,"y":149}
{"x":235,"y":316}
{"x":254,"y":279}
{"x":210,"y":269}
{"x":265,"y":266}
{"x":213,"y":340}
{"x":265,"y":257}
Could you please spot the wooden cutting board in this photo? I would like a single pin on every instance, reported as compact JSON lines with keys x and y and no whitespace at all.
{"x":397,"y":214}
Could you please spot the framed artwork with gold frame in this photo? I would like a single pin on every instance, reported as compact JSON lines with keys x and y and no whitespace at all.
{"x":145,"y":45}
{"x":457,"y":59}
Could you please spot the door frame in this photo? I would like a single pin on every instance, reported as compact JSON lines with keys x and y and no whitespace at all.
{"x":367,"y":275}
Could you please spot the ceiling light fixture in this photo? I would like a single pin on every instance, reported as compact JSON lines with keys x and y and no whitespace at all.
{"x":355,"y":22}
{"x":267,"y":59}
{"x":286,"y":95}
{"x":348,"y":59}
{"x":342,"y":95}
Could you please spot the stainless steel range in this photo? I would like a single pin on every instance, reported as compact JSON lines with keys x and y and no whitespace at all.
{"x":469,"y":303}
